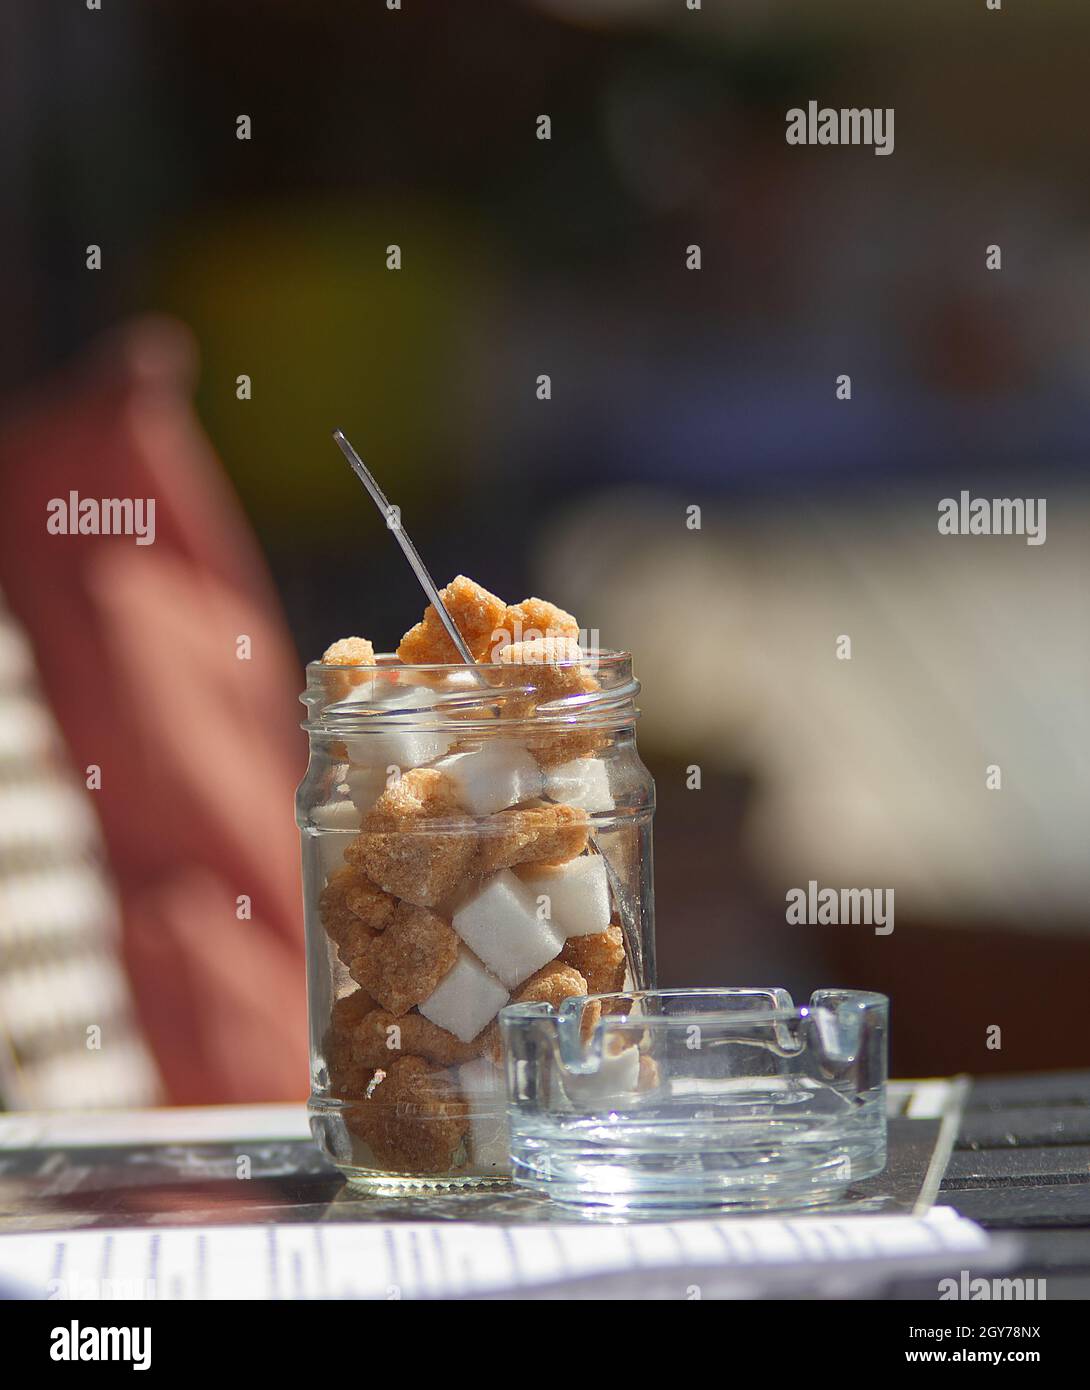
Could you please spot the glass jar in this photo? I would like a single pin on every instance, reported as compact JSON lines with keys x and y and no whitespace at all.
{"x":471,"y":836}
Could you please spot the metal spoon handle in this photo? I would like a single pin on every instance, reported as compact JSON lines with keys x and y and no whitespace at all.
{"x":427,"y":583}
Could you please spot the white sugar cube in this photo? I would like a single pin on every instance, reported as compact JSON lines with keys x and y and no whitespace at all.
{"x":491,"y":778}
{"x":481,"y":1082}
{"x":611,"y":1087}
{"x":501,"y":923}
{"x":583,"y":782}
{"x":466,"y":999}
{"x":336,"y":815}
{"x":364,"y":690}
{"x":489,"y":1147}
{"x":577,"y":894}
{"x":365,"y":785}
{"x":400,"y":747}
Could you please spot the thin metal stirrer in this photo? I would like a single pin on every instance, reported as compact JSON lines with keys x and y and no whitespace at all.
{"x":427,"y":583}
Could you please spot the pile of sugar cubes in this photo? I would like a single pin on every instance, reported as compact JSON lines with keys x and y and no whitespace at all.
{"x":459,"y":873}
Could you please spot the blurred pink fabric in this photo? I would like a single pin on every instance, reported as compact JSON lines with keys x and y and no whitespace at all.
{"x":200,"y":751}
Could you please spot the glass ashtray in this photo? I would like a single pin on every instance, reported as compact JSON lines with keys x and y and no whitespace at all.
{"x":697,"y":1098}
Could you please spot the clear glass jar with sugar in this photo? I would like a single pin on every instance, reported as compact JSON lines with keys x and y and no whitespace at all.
{"x":471,"y":836}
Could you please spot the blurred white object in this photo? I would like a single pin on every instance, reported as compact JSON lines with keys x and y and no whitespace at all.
{"x":68,"y":1032}
{"x":966,"y":653}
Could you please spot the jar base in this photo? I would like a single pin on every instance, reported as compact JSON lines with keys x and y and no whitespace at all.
{"x":373,"y":1184}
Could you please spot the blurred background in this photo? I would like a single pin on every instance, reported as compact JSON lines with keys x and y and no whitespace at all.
{"x":266,"y":258}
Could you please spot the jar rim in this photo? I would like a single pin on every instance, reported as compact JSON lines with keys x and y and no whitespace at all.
{"x":389,"y":661}
{"x":499,"y":687}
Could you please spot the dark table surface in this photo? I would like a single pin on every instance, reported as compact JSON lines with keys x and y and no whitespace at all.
{"x":1020,"y":1165}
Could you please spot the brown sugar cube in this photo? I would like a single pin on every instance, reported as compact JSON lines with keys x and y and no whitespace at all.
{"x":600,"y":959}
{"x":348,"y":651}
{"x":552,"y":984}
{"x":552,"y":681}
{"x":333,"y":910}
{"x":353,"y":910}
{"x":649,"y":1077}
{"x":374,"y":907}
{"x":402,"y":965}
{"x":558,"y":667}
{"x":340,"y":922}
{"x":534,"y":834}
{"x":402,"y":857}
{"x":351,"y":1009}
{"x":536,"y":618}
{"x":379,"y":1039}
{"x":555,"y":749}
{"x":371,"y":911}
{"x":477,"y":615}
{"x":347,"y":1075}
{"x":413,"y":1119}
